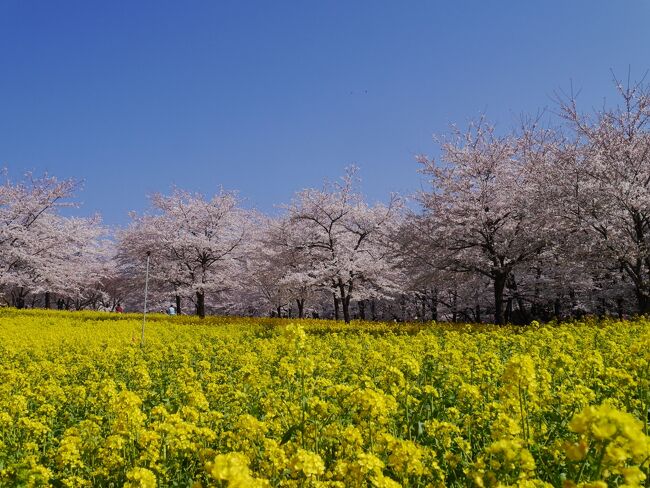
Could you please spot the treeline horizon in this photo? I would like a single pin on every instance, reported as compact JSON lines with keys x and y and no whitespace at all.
{"x":546,"y":221}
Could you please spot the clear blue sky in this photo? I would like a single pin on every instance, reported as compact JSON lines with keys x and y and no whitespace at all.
{"x":269,"y":97}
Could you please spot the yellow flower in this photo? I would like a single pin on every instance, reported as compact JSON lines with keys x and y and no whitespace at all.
{"x":307,"y":463}
{"x":140,"y":478}
{"x":233,"y":467}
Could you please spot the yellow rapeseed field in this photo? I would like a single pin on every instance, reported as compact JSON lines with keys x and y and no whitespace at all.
{"x":260,"y":402}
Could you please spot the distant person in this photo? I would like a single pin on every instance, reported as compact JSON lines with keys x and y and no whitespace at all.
{"x":119,"y":309}
{"x":171,"y":310}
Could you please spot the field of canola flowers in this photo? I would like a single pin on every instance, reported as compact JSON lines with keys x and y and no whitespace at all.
{"x":261,"y":402}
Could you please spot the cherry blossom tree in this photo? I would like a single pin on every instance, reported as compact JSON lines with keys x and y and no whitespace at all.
{"x":27,"y":212}
{"x":605,"y":173}
{"x":196,"y":244}
{"x":43,"y":252}
{"x":438,"y":292}
{"x":72,"y":257}
{"x":486,"y":205}
{"x":342,"y":238}
{"x":283,"y":274}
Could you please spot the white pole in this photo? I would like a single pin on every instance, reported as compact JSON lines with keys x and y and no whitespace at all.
{"x":146,"y":289}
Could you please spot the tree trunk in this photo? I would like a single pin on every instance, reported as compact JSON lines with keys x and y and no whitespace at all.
{"x":373,"y":309}
{"x":642,"y":301}
{"x":499,"y":285}
{"x":507,"y":316}
{"x":279,"y":311}
{"x":574,"y":302}
{"x":557,"y":309}
{"x":434,"y":304}
{"x":345,"y":301}
{"x":346,"y":309}
{"x":336,"y":307}
{"x":523,"y":317}
{"x":301,"y":308}
{"x":454,"y":309}
{"x":200,"y":304}
{"x":362,"y":309}
{"x":477,"y":313}
{"x":178,"y":305}
{"x":47,"y":299}
{"x":20,"y":298}
{"x":619,"y":308}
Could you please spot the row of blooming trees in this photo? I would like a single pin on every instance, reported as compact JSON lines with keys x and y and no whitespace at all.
{"x":44,"y":255}
{"x":536,"y":223}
